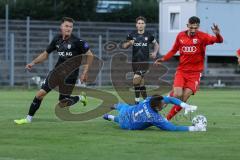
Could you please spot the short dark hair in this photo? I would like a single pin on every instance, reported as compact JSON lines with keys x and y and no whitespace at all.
{"x":155,"y":101}
{"x":141,"y":18}
{"x":68,"y":19}
{"x":194,"y":20}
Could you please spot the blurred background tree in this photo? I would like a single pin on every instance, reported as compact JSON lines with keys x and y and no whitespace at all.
{"x":82,"y":10}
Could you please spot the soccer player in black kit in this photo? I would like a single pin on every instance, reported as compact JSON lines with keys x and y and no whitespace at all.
{"x":140,"y":40}
{"x":67,"y":46}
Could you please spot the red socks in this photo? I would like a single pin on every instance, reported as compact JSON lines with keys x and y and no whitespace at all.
{"x":175,"y":109}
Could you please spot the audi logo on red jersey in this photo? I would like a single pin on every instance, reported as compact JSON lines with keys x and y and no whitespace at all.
{"x":189,"y":49}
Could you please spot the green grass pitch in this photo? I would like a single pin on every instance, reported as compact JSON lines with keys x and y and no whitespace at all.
{"x":49,"y":138}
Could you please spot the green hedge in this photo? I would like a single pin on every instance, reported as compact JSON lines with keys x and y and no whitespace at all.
{"x":82,"y":10}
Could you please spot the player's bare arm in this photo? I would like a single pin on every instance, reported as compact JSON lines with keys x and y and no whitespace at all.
{"x":171,"y":53}
{"x":215,"y":29}
{"x":86,"y":67}
{"x":155,"y":50}
{"x":41,"y":58}
{"x":158,"y":61}
{"x":127,"y":44}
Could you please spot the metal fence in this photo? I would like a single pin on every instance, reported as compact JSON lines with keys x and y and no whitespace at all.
{"x":23,"y":40}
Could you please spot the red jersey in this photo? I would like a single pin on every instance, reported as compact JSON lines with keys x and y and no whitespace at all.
{"x":192,"y":50}
{"x":238,"y":52}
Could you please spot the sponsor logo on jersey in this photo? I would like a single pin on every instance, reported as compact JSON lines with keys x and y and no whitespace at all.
{"x":140,"y":44}
{"x":189,"y":49}
{"x":63,"y":54}
{"x":86,"y":45}
{"x":146,"y":38}
{"x":69,"y":46}
{"x":146,"y":110}
{"x":195,"y":41}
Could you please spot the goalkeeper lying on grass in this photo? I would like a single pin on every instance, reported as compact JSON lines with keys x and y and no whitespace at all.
{"x":145,"y":114}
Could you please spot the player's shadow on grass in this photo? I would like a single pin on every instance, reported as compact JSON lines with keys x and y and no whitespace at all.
{"x":51,"y":120}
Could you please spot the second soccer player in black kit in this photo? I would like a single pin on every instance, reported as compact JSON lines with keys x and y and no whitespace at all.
{"x":67,"y":46}
{"x":140,"y":40}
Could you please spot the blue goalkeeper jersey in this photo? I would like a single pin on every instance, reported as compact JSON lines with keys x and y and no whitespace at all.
{"x":142,"y":116}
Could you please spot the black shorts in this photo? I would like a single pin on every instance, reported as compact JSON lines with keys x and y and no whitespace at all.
{"x":140,"y":68}
{"x":46,"y":87}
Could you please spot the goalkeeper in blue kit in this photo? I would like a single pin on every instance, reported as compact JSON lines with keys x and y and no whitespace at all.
{"x":145,"y":114}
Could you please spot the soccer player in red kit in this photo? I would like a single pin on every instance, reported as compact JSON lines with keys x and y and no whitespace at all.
{"x":238,"y":55}
{"x":191,"y":45}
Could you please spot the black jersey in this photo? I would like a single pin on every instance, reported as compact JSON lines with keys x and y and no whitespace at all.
{"x":140,"y":51}
{"x":68,"y":48}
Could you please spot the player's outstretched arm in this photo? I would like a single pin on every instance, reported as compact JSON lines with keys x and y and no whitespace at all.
{"x":155,"y":50}
{"x":41,"y":58}
{"x":216,"y":31}
{"x":164,"y":124}
{"x":168,"y":126}
{"x":158,"y":61}
{"x":84,"y":75}
{"x":170,"y":54}
{"x":127,"y":44}
{"x":173,"y":100}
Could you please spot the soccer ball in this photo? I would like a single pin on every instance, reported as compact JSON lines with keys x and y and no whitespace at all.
{"x":199,"y":120}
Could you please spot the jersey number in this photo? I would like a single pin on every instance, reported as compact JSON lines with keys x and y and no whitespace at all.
{"x":139,"y":112}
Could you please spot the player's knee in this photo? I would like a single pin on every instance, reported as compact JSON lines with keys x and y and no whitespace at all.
{"x":136,"y":81}
{"x":185,"y":98}
{"x":41,"y":94}
{"x":142,"y":83}
{"x":178,"y":95}
{"x":186,"y":95}
{"x":40,"y":97}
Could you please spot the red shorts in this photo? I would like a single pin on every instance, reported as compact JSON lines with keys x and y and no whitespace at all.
{"x":187,"y":80}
